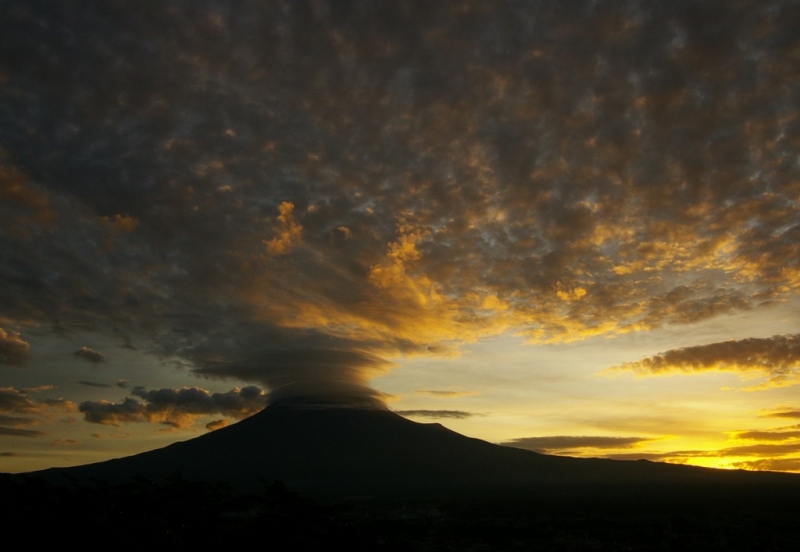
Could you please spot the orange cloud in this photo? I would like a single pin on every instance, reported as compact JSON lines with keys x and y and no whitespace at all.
{"x":392,"y":272}
{"x":216,"y":424}
{"x":289,"y":231}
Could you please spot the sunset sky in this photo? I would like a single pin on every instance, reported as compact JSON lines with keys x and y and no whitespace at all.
{"x":568,"y":226}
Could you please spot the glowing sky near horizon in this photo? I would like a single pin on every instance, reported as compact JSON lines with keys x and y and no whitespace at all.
{"x":566,"y":226}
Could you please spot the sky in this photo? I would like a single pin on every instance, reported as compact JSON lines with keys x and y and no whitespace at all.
{"x":570,"y":227}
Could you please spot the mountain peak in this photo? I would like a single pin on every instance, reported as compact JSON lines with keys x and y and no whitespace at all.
{"x":324,"y":402}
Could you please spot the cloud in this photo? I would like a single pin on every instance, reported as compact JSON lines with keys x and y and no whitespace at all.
{"x":65,"y":442}
{"x":771,"y":464}
{"x":216,"y":424}
{"x":59,"y":404}
{"x":561,"y":443}
{"x":13,"y":400}
{"x":15,"y":432}
{"x":176,"y":407}
{"x":14,"y":351}
{"x":17,"y":193}
{"x":108,"y":413}
{"x":769,"y":435}
{"x":776,"y":358}
{"x":93,"y":384}
{"x":38,"y":388}
{"x":291,"y":363}
{"x":90,"y":355}
{"x":651,"y":456}
{"x":454,"y":414}
{"x":785,"y":414}
{"x":444,"y":393}
{"x":761,"y":449}
{"x":767,"y":451}
{"x":122,"y":223}
{"x":376,"y":192}
{"x":237,"y":403}
{"x":16,"y":421}
{"x":288,"y":229}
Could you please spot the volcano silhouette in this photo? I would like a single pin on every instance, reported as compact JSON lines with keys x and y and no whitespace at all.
{"x":325,"y":449}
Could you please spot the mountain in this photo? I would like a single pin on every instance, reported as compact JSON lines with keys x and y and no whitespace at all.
{"x":329,"y":450}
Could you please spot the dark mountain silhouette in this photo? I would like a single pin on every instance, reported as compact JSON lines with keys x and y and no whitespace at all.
{"x":324,"y":450}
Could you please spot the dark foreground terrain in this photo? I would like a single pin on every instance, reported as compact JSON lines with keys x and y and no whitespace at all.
{"x":186,"y":515}
{"x":314,"y":476}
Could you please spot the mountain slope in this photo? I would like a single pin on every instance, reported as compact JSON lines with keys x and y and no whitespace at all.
{"x":329,"y":451}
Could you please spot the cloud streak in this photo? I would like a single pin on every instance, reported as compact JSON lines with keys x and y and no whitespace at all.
{"x":440,"y":414}
{"x":784,"y":414}
{"x":564,"y":443}
{"x":16,"y":432}
{"x":445,"y":393}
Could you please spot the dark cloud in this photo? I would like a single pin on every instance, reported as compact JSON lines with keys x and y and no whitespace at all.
{"x":561,"y":443}
{"x":176,"y":407}
{"x":770,"y":435}
{"x":63,"y":442}
{"x":455,"y":414}
{"x":38,"y":388}
{"x":15,"y":432}
{"x":13,"y":400}
{"x":652,"y":456}
{"x":59,"y":404}
{"x":761,"y":449}
{"x":769,"y":452}
{"x":785,"y":414}
{"x":15,"y":421}
{"x":292,"y":193}
{"x":777,"y":358}
{"x":90,"y":355}
{"x":14,"y":350}
{"x":289,"y":363}
{"x":237,"y":403}
{"x":92,"y":384}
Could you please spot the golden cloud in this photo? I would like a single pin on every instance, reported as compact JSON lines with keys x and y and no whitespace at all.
{"x":776,"y":358}
{"x":289,"y":231}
